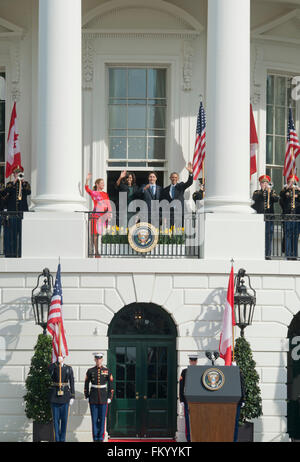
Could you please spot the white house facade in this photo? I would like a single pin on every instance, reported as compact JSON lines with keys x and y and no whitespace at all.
{"x":103,"y":86}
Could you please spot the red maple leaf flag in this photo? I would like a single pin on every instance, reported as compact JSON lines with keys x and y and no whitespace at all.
{"x":253,"y":143}
{"x":13,"y":145}
{"x":226,"y":338}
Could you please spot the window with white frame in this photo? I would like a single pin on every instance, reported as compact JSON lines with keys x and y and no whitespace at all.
{"x":137,"y":110}
{"x":279,"y":100}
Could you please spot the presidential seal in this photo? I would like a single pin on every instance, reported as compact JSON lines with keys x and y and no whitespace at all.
{"x":143,"y":237}
{"x":213,"y":379}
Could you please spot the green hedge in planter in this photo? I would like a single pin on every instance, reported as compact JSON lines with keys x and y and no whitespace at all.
{"x":38,"y":381}
{"x":247,"y":365}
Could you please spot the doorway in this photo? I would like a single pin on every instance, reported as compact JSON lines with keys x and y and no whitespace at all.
{"x":142,"y":359}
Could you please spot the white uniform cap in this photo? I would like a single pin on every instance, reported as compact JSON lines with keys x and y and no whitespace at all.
{"x":193,"y":356}
{"x":98,"y":355}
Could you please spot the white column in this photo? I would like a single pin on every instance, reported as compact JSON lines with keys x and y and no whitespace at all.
{"x":59,"y":165}
{"x":228,"y":107}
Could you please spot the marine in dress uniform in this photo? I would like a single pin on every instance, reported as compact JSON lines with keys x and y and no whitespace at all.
{"x":199,"y":195}
{"x":264,"y":199}
{"x":60,"y":402}
{"x":15,"y":196}
{"x":290,"y":204}
{"x":98,"y":389}
{"x":193,"y":359}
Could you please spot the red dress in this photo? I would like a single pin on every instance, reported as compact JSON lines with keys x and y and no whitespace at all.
{"x":101,"y":204}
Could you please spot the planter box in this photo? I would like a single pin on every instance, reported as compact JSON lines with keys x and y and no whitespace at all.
{"x":246,"y":432}
{"x":43,"y":432}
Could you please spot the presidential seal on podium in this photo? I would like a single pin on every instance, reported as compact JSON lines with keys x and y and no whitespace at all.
{"x":143,"y":237}
{"x":213,"y":379}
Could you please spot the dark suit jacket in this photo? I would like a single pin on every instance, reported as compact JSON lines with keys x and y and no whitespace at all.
{"x":147,"y":195}
{"x":179,"y":191}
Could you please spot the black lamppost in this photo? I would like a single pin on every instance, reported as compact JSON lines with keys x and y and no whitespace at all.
{"x":244,"y":301}
{"x":41,"y":299}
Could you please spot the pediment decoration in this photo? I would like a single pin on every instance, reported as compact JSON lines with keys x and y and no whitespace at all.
{"x":140,"y":18}
{"x":285,"y":29}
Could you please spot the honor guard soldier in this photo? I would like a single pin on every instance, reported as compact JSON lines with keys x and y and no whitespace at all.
{"x":193,"y":359}
{"x":290,"y":204}
{"x":15,"y":196}
{"x":99,"y":395}
{"x":62,"y":394}
{"x":264,"y":199}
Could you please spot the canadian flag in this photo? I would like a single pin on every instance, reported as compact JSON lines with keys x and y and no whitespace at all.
{"x":253,"y":143}
{"x":13,"y":145}
{"x":226,"y":339}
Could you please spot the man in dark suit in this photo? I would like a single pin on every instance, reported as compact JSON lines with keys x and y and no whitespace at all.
{"x":193,"y":361}
{"x":62,"y":394}
{"x":175,"y":192}
{"x":149,"y":193}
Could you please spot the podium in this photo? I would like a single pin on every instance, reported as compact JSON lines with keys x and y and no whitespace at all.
{"x":212,"y":393}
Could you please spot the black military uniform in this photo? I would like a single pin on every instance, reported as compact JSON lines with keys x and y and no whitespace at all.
{"x":193,"y":360}
{"x":15,"y":196}
{"x":98,"y":389}
{"x":290,"y":204}
{"x":60,"y":403}
{"x":264,"y":203}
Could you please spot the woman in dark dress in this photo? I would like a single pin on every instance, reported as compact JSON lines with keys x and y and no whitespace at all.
{"x":126,"y":183}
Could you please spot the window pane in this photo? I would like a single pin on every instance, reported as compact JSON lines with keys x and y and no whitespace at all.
{"x":270,"y":115}
{"x":280,"y":145}
{"x":270,"y":89}
{"x":2,"y":87}
{"x":120,"y":390}
{"x":156,"y":117}
{"x":117,"y":148}
{"x":280,"y":121}
{"x":156,"y":148}
{"x":117,"y":83}
{"x":156,"y":83}
{"x":162,"y":390}
{"x":130,"y":390}
{"x":120,"y":355}
{"x":2,"y":117}
{"x":137,"y":83}
{"x":120,"y":372}
{"x":2,"y":174}
{"x":136,"y":117}
{"x":117,"y":117}
{"x":280,"y":91}
{"x":136,"y":148}
{"x":269,"y":150}
{"x":2,"y":147}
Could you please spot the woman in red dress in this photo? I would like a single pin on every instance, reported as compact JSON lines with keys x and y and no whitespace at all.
{"x":101,"y":204}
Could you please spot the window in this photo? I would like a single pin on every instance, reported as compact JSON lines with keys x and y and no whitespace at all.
{"x":2,"y":125}
{"x":279,"y":100}
{"x":137,"y":110}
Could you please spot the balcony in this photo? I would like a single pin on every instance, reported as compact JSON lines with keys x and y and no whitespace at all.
{"x":282,"y":237}
{"x":108,"y":237}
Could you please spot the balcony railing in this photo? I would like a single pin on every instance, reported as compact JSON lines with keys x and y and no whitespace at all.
{"x":107,"y":237}
{"x":282,"y":237}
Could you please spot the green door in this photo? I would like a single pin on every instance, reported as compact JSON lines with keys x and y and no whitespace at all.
{"x":144,"y":403}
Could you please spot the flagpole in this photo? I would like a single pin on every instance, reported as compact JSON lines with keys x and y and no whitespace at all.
{"x":232,"y":261}
{"x":60,"y":392}
{"x":203,"y":173}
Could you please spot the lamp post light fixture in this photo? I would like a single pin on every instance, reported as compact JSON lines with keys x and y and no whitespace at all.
{"x":244,"y":301}
{"x":41,"y":299}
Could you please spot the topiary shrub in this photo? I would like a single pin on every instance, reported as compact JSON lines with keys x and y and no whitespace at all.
{"x":38,"y":381}
{"x":247,"y":365}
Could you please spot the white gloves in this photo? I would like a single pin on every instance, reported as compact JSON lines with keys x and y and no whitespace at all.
{"x":71,"y":401}
{"x":108,"y":401}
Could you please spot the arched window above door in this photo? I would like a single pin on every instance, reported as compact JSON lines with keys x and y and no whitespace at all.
{"x":142,"y":319}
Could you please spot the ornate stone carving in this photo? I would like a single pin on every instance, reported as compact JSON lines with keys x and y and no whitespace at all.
{"x":15,"y":69}
{"x":88,"y":53}
{"x":256,"y":86}
{"x":188,"y":53}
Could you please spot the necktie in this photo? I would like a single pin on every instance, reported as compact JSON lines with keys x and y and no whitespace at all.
{"x":172,"y":191}
{"x":153,"y":190}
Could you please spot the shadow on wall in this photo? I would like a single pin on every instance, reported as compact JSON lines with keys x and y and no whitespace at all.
{"x":15,"y":353}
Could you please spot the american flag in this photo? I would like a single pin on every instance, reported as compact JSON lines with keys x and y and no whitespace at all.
{"x":292,"y":147}
{"x":253,"y":143}
{"x":200,"y":144}
{"x":55,"y":321}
